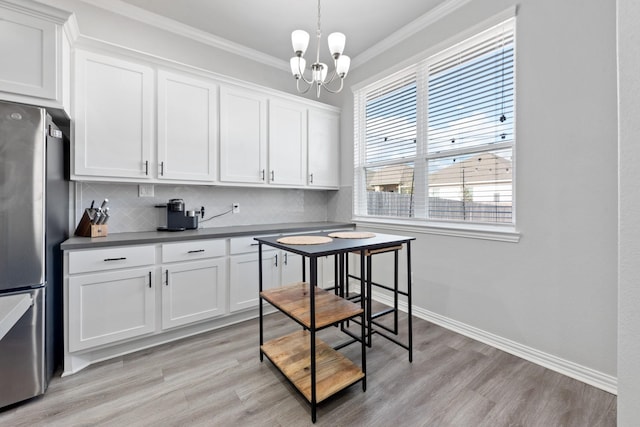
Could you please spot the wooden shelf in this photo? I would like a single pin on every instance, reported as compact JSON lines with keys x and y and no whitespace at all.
{"x":294,"y":300}
{"x":292,"y":356}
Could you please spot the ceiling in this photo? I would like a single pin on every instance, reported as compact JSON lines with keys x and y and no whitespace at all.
{"x":266,"y":26}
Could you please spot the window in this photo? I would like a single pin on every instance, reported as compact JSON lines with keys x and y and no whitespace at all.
{"x":435,"y":142}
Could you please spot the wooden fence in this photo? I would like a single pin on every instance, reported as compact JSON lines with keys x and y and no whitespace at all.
{"x":403,"y":206}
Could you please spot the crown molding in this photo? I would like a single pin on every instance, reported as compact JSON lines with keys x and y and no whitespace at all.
{"x":158,"y":21}
{"x":37,"y":9}
{"x":167,"y":24}
{"x":408,"y":30}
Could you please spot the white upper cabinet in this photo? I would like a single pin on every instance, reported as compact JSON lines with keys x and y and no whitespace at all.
{"x":243,"y":136}
{"x":287,"y":143}
{"x":324,"y":146}
{"x":28,"y":47}
{"x":187,"y":128}
{"x":114,"y":106}
{"x":34,"y":46}
{"x":148,"y":121}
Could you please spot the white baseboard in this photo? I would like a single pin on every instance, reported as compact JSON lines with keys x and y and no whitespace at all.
{"x":589,"y":376}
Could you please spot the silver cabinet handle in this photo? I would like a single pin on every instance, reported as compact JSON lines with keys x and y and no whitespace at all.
{"x":166,"y":277}
{"x":273,"y":176}
{"x":146,"y":167}
{"x":115,"y":259}
{"x":262,"y":174}
{"x":311,"y":180}
{"x":276,"y":256}
{"x":162,"y":168}
{"x":195,"y":251}
{"x":285,"y":258}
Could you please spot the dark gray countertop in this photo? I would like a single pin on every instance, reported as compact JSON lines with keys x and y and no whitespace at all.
{"x":146,"y":237}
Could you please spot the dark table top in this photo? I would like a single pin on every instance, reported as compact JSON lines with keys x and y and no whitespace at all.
{"x":337,"y":245}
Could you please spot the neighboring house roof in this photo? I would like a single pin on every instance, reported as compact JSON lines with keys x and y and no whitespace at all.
{"x":401,"y":175}
{"x":479,"y":169}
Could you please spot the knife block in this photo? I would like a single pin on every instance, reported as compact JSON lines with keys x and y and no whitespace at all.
{"x":86,"y":229}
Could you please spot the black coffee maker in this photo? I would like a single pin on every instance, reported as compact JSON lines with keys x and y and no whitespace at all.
{"x":177,"y":218}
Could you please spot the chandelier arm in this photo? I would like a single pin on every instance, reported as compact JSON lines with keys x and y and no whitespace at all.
{"x":305,"y":90}
{"x":333,"y":74}
{"x":302,"y":77}
{"x":328,"y":89}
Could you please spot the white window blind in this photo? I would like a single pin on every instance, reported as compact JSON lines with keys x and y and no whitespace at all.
{"x":389,"y":148}
{"x":435,"y":142}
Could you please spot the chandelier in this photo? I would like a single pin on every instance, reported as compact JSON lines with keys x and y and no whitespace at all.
{"x":319,"y":70}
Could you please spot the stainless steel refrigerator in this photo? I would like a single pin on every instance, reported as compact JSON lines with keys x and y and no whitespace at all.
{"x":34,"y":208}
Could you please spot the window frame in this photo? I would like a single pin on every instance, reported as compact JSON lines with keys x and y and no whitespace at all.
{"x":421,"y":222}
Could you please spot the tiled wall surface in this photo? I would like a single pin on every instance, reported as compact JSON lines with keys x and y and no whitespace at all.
{"x":257,"y":205}
{"x":339,"y":204}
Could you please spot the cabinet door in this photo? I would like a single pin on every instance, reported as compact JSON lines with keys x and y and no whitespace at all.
{"x":187,"y":128}
{"x":193,"y":291}
{"x":327,"y":266}
{"x":114,"y":117}
{"x":109,"y":307}
{"x":243,"y":136}
{"x":291,"y":268}
{"x":287,"y":143}
{"x":243,"y":278}
{"x":324,"y":145}
{"x":28,"y":47}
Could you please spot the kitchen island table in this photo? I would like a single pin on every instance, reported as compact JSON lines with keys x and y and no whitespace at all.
{"x":314,"y":368}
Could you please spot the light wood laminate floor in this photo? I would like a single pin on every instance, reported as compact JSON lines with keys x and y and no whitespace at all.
{"x":217,"y":379}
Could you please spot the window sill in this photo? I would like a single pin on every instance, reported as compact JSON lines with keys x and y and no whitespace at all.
{"x":472,"y":231}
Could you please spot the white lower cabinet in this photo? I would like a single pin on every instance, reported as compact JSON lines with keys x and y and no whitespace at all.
{"x":291,"y":268}
{"x":120,"y":299}
{"x":109,"y":307}
{"x":278,"y":268}
{"x":193,"y":291}
{"x":243,"y":278}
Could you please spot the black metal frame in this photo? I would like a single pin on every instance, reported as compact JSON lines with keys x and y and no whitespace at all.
{"x":368,"y":296}
{"x":313,"y":273}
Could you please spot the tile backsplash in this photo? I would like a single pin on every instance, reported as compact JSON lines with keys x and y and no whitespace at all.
{"x":128,"y":212}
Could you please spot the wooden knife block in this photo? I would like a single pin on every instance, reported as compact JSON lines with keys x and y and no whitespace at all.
{"x":86,"y":229}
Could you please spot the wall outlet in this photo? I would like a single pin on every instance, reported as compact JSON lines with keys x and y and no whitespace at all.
{"x":235,"y":208}
{"x":145,"y":190}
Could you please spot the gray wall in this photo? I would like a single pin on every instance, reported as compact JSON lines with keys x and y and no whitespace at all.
{"x":556,"y":290}
{"x":629,"y":246}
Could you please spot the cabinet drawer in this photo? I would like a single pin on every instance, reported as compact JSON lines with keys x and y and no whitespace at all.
{"x":197,"y":249}
{"x":111,"y":258}
{"x":243,"y":245}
